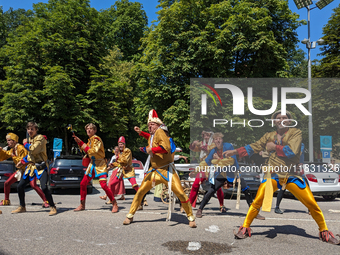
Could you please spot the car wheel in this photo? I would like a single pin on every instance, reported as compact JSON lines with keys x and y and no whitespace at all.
{"x":89,"y":190}
{"x":329,"y":197}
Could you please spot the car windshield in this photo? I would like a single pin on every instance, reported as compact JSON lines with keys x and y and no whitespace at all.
{"x":69,"y":162}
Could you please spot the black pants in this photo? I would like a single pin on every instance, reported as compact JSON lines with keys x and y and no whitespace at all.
{"x":43,"y":185}
{"x":219,"y":181}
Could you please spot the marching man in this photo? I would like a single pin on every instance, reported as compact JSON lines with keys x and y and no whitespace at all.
{"x":17,"y":152}
{"x":94,"y":149}
{"x":36,"y":166}
{"x":160,"y":171}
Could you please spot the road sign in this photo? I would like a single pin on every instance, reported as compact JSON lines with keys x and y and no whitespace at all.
{"x":56,"y":154}
{"x":57,"y":144}
{"x":326,"y":153}
{"x":325,"y":142}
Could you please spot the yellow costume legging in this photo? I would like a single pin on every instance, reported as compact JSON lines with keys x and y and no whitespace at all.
{"x":304,"y":195}
{"x":176,"y":188}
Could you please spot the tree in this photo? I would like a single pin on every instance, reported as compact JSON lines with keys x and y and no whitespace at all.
{"x":330,"y":63}
{"x":297,"y":64}
{"x":125,"y":24}
{"x":209,"y":39}
{"x":110,"y":91}
{"x":50,"y":58}
{"x":9,"y":21}
{"x":326,"y":91}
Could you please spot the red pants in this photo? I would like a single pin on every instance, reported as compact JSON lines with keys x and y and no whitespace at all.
{"x":115,"y":181}
{"x":200,"y":177}
{"x":33,"y":183}
{"x":83,"y":188}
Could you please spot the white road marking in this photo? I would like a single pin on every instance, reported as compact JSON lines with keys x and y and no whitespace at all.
{"x":213,"y":229}
{"x":194,"y":246}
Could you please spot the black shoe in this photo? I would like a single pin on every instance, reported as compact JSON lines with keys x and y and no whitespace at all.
{"x":277,"y":210}
{"x":199,"y":213}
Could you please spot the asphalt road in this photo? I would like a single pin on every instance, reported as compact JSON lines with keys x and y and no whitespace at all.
{"x":98,"y":231}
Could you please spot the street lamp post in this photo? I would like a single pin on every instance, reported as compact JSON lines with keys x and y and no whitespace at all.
{"x":310,"y":45}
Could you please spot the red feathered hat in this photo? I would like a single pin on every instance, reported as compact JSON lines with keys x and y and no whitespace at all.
{"x":153,"y":117}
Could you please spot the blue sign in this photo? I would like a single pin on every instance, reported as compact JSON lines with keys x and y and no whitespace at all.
{"x":326,"y":153}
{"x":57,"y":144}
{"x":325,"y":142}
{"x":56,"y":154}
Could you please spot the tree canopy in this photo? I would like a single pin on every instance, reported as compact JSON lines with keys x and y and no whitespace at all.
{"x":67,"y":63}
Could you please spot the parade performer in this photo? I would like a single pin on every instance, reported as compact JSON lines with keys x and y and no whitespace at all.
{"x":159,"y":188}
{"x":226,"y":173}
{"x":284,"y":146}
{"x":124,"y":166}
{"x":94,"y":150}
{"x":161,"y":170}
{"x":119,"y":189}
{"x":204,"y":148}
{"x":17,"y":152}
{"x":36,"y":166}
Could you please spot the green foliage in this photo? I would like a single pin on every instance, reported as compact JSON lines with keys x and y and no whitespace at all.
{"x":330,"y":63}
{"x":65,"y":62}
{"x":124,"y":24}
{"x":58,"y":71}
{"x":209,"y":39}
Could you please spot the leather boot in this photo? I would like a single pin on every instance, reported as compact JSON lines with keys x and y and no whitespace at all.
{"x":5,"y":202}
{"x":127,"y":221}
{"x":327,"y":236}
{"x":20,"y":209}
{"x":192,"y":224}
{"x":53,"y":211}
{"x":81,"y":207}
{"x":199,"y":213}
{"x":242,"y":233}
{"x":278,"y":210}
{"x":114,"y":207}
{"x":0,"y":212}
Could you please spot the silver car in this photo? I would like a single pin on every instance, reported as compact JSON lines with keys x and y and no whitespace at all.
{"x":322,"y":180}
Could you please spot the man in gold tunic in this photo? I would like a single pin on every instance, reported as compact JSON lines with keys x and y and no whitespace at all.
{"x":17,"y":152}
{"x":124,"y":165}
{"x":97,"y":167}
{"x":36,"y":167}
{"x":160,"y":171}
{"x":284,"y":148}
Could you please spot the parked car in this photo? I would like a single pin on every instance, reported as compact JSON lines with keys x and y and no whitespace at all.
{"x":139,"y":171}
{"x":67,"y":172}
{"x":7,"y":168}
{"x":186,"y":171}
{"x":322,"y":180}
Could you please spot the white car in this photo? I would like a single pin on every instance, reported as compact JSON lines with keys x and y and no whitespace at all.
{"x":322,"y":180}
{"x":139,"y":171}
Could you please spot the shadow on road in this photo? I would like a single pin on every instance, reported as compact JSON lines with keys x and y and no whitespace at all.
{"x":286,"y":230}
